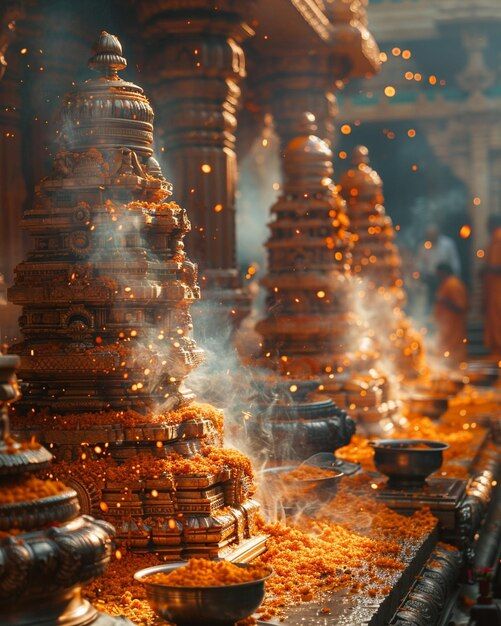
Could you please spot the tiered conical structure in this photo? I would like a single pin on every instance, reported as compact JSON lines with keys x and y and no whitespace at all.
{"x":377,"y":261}
{"x":106,"y":288}
{"x":47,"y":551}
{"x":309,"y":256}
{"x":312,"y":329}
{"x":106,"y":292}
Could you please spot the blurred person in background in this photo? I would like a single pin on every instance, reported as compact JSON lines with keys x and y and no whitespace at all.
{"x":492,"y":288}
{"x":436,"y":249}
{"x":450,"y":310}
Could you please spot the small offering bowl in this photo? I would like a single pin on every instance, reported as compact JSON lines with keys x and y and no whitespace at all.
{"x":201,"y":606}
{"x":408,"y":462}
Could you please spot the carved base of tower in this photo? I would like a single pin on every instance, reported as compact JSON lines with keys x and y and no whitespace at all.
{"x":166,"y":487}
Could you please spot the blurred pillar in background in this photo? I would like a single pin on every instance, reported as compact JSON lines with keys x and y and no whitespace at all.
{"x":195,"y":65}
{"x":455,"y":99}
{"x":12,"y":187}
{"x":300,"y":68}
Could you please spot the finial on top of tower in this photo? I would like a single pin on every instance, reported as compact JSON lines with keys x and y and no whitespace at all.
{"x":359,"y":155}
{"x":107,"y":57}
{"x":307,"y":124}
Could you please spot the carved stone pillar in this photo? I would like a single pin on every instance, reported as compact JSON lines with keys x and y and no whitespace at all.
{"x":12,"y":186}
{"x":302,"y":73}
{"x":296,"y":82}
{"x":468,"y":143}
{"x":9,"y":14}
{"x":52,"y":38}
{"x":195,"y":74}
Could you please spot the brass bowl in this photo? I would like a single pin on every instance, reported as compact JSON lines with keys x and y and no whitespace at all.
{"x":295,"y":496}
{"x":327,"y":483}
{"x":201,"y":606}
{"x":408,"y":462}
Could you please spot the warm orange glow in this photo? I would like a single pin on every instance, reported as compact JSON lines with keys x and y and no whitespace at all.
{"x":428,"y":245}
{"x":480,"y":254}
{"x":218,"y":208}
{"x":406,"y":54}
{"x":396,"y":52}
{"x":320,"y":294}
{"x":465,"y":231}
{"x":206,"y":168}
{"x":411,"y":132}
{"x":346,"y":129}
{"x":476,"y":201}
{"x":432,"y":80}
{"x":389,"y":91}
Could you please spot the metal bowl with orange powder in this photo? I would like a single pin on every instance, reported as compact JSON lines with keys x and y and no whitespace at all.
{"x":408,"y":462}
{"x":204,"y":592}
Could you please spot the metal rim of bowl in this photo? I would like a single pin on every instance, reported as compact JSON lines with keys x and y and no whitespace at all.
{"x":386,"y":444}
{"x":276,"y":472}
{"x":142,"y":574}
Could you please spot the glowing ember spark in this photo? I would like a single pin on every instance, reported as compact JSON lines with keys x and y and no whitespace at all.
{"x":465,"y":231}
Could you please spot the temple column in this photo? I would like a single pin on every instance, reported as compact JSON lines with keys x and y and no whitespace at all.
{"x":305,"y":77}
{"x":195,"y":75}
{"x":295,"y":83}
{"x":480,"y":206}
{"x":53,"y":42}
{"x":467,"y":143}
{"x":12,"y":184}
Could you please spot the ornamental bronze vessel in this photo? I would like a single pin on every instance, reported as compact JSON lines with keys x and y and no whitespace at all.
{"x":47,"y":550}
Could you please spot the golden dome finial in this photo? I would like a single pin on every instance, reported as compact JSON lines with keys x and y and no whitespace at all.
{"x":107,"y":57}
{"x":307,"y":160}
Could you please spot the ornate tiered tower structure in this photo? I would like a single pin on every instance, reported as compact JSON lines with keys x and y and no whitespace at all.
{"x":309,"y":256}
{"x":377,"y":261}
{"x":47,"y":550}
{"x":106,"y":292}
{"x":312,"y":329}
{"x":106,"y":288}
{"x":375,"y":254}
